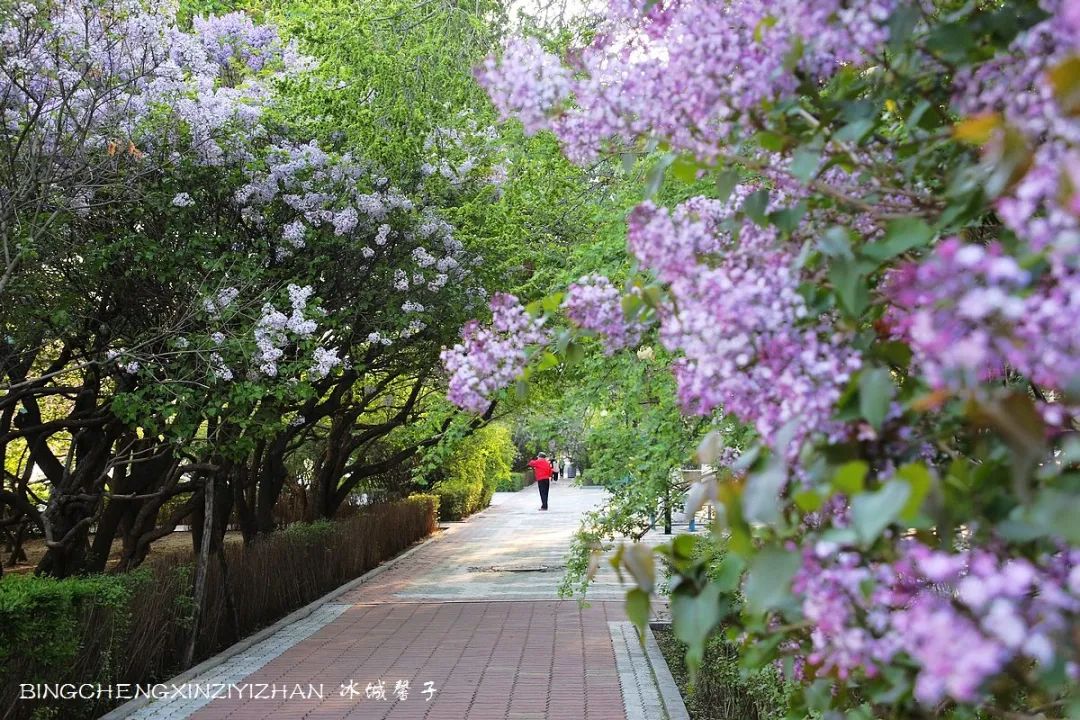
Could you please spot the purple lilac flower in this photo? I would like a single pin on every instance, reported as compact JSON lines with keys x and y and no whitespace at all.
{"x":593,"y":303}
{"x":739,"y":322}
{"x":489,"y":358}
{"x":685,"y":71}
{"x":970,"y":310}
{"x":962,"y":617}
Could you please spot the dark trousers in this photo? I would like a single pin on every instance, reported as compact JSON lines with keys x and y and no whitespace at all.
{"x":543,"y":486}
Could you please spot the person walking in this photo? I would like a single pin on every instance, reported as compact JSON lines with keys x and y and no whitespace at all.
{"x":543,"y":470}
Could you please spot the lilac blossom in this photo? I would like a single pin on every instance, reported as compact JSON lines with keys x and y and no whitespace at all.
{"x":746,"y":340}
{"x":489,"y":358}
{"x":962,"y":616}
{"x":969,"y":311}
{"x":593,"y":303}
{"x":688,"y":78}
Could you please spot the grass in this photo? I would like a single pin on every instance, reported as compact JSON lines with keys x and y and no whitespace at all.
{"x":721,"y":692}
{"x":176,"y":543}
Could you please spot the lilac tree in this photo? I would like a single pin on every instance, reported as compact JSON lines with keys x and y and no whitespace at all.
{"x":200,"y":288}
{"x":876,"y":279}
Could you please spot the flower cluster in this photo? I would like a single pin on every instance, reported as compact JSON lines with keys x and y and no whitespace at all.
{"x":961,"y":616}
{"x":456,"y":155}
{"x":489,"y":358}
{"x":275,"y":330}
{"x":686,"y":71}
{"x":747,"y":342}
{"x":99,"y":85}
{"x":595,"y":304}
{"x":528,"y":84}
{"x":235,"y":38}
{"x":1017,"y":86}
{"x":968,"y":311}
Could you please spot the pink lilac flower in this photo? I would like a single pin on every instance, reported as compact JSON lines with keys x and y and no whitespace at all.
{"x":746,"y":342}
{"x":593,"y":303}
{"x":962,"y":617}
{"x":969,"y":311}
{"x":489,"y":358}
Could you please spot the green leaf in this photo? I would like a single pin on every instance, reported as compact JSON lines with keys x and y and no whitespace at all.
{"x":876,"y":389}
{"x":710,"y":446}
{"x":1054,"y":512}
{"x":872,"y":512}
{"x":836,"y":242}
{"x":547,"y":361}
{"x":1019,"y":423}
{"x":685,"y":168}
{"x":849,"y":284}
{"x":804,"y":163}
{"x":684,"y":545}
{"x":894,"y":352}
{"x":1065,"y":79}
{"x":920,"y":480}
{"x":788,"y":219}
{"x":819,"y":695}
{"x":655,"y":178}
{"x":726,"y":182}
{"x":850,"y":477}
{"x":901,"y":24}
{"x":639,"y":560}
{"x":637,"y":608}
{"x":761,"y":497}
{"x":552,"y":302}
{"x":855,"y":131}
{"x":809,"y":500}
{"x":755,"y":205}
{"x":771,"y":141}
{"x":693,"y":618}
{"x":729,"y":572}
{"x":768,"y":583}
{"x":574,"y":352}
{"x":901,"y":235}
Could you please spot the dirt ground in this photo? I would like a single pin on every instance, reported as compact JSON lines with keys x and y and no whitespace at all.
{"x":176,"y":542}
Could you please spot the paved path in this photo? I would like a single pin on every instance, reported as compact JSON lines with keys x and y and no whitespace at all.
{"x":472,"y":623}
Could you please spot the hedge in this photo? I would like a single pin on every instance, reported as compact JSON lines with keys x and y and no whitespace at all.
{"x":477,"y":467}
{"x":132,"y":628}
{"x":514,"y":482}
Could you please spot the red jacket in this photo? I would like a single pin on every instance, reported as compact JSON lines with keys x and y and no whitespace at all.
{"x":542,"y":468}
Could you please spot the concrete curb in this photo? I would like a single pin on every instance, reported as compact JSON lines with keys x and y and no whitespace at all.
{"x":665,"y":683}
{"x":210,"y":663}
{"x":648,"y":689}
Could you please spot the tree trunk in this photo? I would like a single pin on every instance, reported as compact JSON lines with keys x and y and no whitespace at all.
{"x":201,"y":568}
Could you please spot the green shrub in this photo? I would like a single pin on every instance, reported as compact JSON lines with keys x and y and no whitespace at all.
{"x":458,"y":499}
{"x":132,"y":628}
{"x":479,"y":464}
{"x":309,"y":531}
{"x":512,"y":483}
{"x":431,"y":500}
{"x":45,"y":614}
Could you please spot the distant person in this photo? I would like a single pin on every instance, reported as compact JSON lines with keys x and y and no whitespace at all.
{"x":543,"y":471}
{"x":555,"y":469}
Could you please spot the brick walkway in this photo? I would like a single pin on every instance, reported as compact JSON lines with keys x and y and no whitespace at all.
{"x":473,"y":616}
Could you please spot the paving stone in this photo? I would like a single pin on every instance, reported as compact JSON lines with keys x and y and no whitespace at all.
{"x":476,"y":613}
